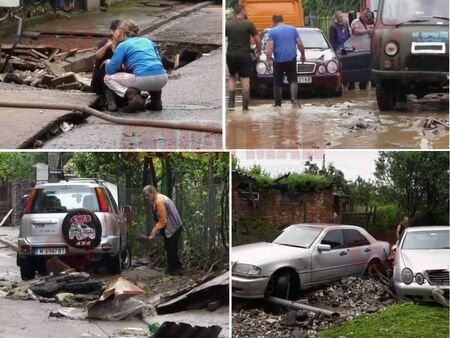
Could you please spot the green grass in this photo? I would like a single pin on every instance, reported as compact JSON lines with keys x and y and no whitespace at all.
{"x":396,"y":321}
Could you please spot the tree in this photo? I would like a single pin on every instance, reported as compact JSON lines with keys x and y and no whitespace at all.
{"x":418,"y":182}
{"x":19,"y":166}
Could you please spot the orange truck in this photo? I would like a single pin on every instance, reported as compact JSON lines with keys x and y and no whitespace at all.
{"x":260,"y":12}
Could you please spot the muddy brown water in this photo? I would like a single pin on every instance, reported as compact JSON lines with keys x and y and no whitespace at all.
{"x":350,"y":121}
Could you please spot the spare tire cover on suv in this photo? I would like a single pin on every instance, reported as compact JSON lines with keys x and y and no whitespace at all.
{"x":82,"y":229}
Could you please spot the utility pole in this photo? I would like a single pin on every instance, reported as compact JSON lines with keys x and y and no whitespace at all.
{"x":54,"y":167}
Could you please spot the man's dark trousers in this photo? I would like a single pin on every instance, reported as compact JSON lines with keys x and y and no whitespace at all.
{"x":171,"y":244}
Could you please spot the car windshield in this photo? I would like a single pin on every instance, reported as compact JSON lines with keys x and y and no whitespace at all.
{"x":426,"y":240}
{"x":311,"y":39}
{"x":62,"y":199}
{"x":298,"y":236}
{"x":396,"y":12}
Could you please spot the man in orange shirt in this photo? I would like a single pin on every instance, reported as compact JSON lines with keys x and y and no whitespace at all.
{"x":168,"y":224}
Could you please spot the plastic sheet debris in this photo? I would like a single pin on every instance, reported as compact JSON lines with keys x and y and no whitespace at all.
{"x":184,"y":330}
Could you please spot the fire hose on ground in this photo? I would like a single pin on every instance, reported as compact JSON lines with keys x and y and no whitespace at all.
{"x":197,"y":126}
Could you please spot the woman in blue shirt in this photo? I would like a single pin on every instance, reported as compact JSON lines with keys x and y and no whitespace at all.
{"x":136,"y":66}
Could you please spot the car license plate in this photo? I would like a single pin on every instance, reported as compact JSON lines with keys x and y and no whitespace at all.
{"x":50,"y":251}
{"x":304,"y":79}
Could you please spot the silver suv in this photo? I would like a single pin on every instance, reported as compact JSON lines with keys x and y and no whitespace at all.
{"x":75,"y":220}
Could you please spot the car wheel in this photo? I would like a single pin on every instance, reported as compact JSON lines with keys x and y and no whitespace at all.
{"x":386,"y":97}
{"x":27,"y":268}
{"x":114,"y":263}
{"x":373,"y":266}
{"x":285,"y":286}
{"x":126,"y":258}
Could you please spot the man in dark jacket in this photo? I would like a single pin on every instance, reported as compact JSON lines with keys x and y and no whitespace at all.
{"x":340,"y":31}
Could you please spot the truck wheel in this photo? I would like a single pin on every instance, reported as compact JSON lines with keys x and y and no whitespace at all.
{"x":27,"y":268}
{"x":114,"y":264}
{"x":126,"y":258}
{"x":386,"y":97}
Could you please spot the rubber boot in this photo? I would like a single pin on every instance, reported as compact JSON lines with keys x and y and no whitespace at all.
{"x":155,"y":103}
{"x":134,"y":101}
{"x":293,"y":87}
{"x":231,"y":99}
{"x":277,"y":95}
{"x":110,"y":100}
{"x":245,"y":101}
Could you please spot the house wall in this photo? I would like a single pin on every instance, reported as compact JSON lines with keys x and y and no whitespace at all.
{"x":275,"y":208}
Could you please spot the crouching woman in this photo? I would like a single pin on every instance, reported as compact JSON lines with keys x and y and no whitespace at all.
{"x":143,"y":70}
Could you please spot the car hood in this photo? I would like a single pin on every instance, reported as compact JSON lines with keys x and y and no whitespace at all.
{"x":266,"y":253}
{"x":421,"y":260}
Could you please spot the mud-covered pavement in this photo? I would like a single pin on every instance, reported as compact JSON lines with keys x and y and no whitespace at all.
{"x":351,"y":121}
{"x":351,"y":297}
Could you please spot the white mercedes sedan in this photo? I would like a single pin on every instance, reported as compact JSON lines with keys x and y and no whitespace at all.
{"x":302,"y":256}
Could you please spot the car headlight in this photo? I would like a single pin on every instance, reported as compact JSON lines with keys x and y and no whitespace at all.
{"x":322,"y":69}
{"x":407,"y":276}
{"x":261,"y":68}
{"x":332,"y":67}
{"x":246,"y":270}
{"x":391,"y":48}
{"x":419,"y":278}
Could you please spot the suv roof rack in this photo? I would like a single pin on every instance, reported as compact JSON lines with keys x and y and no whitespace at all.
{"x":82,"y":179}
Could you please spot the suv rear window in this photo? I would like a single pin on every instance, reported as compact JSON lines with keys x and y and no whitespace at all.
{"x":62,"y":199}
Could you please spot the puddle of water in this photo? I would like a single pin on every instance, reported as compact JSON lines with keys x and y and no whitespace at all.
{"x":351,"y":121}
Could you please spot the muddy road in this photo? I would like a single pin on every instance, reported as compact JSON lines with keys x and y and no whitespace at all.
{"x":349,"y":122}
{"x":20,"y":318}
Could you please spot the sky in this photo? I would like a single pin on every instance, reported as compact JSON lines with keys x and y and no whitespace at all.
{"x":353,"y":163}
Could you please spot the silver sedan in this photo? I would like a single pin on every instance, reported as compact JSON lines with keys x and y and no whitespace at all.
{"x":421,"y":270}
{"x":302,"y":256}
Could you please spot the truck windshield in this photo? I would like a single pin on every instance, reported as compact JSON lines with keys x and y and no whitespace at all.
{"x":398,"y":12}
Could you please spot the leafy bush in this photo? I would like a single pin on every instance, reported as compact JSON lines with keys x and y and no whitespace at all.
{"x":387,"y":217}
{"x":253,"y":231}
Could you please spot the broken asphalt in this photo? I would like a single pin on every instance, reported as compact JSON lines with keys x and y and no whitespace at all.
{"x":193,"y":92}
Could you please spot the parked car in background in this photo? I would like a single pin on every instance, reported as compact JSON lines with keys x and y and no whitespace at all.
{"x":320,"y":73}
{"x":422,"y":263}
{"x":303,"y":255}
{"x":355,"y":58}
{"x":71,"y":218}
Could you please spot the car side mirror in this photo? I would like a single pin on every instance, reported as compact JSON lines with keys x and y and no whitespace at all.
{"x":324,"y":247}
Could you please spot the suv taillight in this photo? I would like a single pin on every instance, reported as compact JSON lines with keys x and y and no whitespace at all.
{"x":102,"y":200}
{"x":29,"y":203}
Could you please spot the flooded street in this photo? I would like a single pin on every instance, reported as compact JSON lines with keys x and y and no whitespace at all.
{"x":351,"y":121}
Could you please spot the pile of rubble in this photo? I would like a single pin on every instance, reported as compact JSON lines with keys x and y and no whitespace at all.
{"x":350,"y":297}
{"x":47,"y":67}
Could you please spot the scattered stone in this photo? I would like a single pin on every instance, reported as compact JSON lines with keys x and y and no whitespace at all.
{"x":289,"y":319}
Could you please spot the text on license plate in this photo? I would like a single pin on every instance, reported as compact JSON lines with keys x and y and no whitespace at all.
{"x":304,"y":79}
{"x":50,"y":251}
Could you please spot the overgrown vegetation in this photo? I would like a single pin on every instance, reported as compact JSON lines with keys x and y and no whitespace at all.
{"x":254,"y":231}
{"x":398,"y":320}
{"x":196,"y":182}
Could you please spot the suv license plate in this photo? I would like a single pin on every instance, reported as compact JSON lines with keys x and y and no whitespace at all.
{"x":304,"y":79}
{"x":50,"y":251}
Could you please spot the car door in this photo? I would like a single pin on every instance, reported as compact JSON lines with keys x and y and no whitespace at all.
{"x":358,"y":250}
{"x":117,"y":218}
{"x":333,"y":264}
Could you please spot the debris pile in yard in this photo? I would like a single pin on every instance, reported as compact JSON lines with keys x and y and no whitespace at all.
{"x":47,"y":67}
{"x":350,"y":297}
